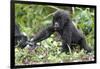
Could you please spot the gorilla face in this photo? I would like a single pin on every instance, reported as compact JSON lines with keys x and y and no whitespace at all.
{"x":56,"y":26}
{"x":60,"y":19}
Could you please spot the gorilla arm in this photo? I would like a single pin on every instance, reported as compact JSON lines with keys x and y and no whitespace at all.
{"x":43,"y":34}
{"x":66,"y":40}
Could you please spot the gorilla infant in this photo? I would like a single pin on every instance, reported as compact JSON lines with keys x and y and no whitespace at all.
{"x":20,"y":38}
{"x":62,"y":24}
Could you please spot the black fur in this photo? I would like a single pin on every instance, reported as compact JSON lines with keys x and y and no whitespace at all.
{"x":19,"y":37}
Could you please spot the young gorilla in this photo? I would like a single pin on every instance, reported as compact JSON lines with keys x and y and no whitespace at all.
{"x":19,"y":37}
{"x":63,"y":25}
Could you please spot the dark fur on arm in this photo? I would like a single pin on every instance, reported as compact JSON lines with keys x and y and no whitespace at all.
{"x":43,"y":34}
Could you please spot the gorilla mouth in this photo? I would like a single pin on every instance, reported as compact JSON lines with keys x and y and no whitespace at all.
{"x":57,"y":28}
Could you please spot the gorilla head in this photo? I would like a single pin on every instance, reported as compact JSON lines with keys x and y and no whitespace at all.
{"x":60,"y":18}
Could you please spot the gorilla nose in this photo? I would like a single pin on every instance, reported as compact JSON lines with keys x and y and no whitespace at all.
{"x":56,"y":25}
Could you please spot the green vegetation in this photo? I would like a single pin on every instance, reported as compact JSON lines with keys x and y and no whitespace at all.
{"x":33,"y":18}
